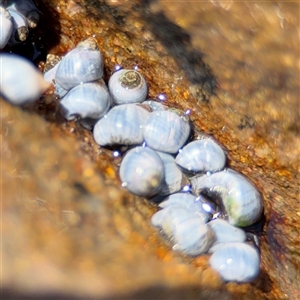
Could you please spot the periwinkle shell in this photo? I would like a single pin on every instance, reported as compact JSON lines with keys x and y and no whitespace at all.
{"x":20,"y":27}
{"x":189,"y":202}
{"x":236,"y":262}
{"x":122,"y":125}
{"x":187,"y":231}
{"x":166,"y":131}
{"x":127,"y":86}
{"x":142,"y":172}
{"x":88,"y":100}
{"x":201,"y":156}
{"x":241,"y":200}
{"x":82,"y":64}
{"x":21,"y":83}
{"x":28,"y":9}
{"x":6,"y":27}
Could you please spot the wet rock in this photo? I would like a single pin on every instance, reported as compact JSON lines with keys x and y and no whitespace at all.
{"x":69,"y":228}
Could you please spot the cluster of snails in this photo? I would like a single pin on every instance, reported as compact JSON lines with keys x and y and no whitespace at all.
{"x":16,"y":18}
{"x":203,"y":205}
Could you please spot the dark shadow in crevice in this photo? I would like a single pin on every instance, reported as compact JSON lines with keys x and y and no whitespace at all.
{"x":178,"y":44}
{"x":175,"y":39}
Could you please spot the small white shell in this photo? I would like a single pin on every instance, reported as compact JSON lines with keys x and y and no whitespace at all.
{"x":236,"y":262}
{"x":6,"y":27}
{"x":201,"y":156}
{"x":82,"y":64}
{"x":122,"y":125}
{"x":142,"y":172}
{"x":166,"y":131}
{"x":28,"y":9}
{"x":241,"y":200}
{"x":20,"y":27}
{"x":127,"y":86}
{"x":188,"y":201}
{"x":21,"y":83}
{"x":226,"y":233}
{"x":186,"y":230}
{"x":88,"y":100}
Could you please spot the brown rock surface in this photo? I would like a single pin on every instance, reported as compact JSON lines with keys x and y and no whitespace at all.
{"x":67,"y":226}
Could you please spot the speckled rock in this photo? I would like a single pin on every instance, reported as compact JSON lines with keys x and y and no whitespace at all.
{"x":68,"y":227}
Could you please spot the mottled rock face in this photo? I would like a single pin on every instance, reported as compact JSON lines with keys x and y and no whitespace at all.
{"x":69,"y":228}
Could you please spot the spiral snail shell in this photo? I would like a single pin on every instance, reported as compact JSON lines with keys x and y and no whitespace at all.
{"x":20,"y":27}
{"x":88,"y":100}
{"x":122,"y":125}
{"x":187,"y":231}
{"x":201,"y":156}
{"x":236,"y":262}
{"x":82,"y":64}
{"x":240,"y":199}
{"x":28,"y":9}
{"x":142,"y":172}
{"x":166,"y":131}
{"x":127,"y":86}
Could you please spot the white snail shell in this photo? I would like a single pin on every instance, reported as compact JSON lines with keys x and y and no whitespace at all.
{"x":28,"y":9}
{"x":122,"y":125}
{"x":87,"y":100}
{"x":142,"y":172}
{"x":127,"y":86}
{"x":189,"y":202}
{"x":21,"y":83}
{"x":241,"y":200}
{"x":20,"y":30}
{"x":187,"y":231}
{"x":82,"y":64}
{"x":166,"y":131}
{"x":6,"y":27}
{"x":236,"y":262}
{"x":201,"y":156}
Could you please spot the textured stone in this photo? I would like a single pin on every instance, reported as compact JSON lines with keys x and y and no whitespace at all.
{"x":68,"y":229}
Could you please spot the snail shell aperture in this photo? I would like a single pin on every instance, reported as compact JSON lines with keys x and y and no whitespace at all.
{"x":241,"y":200}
